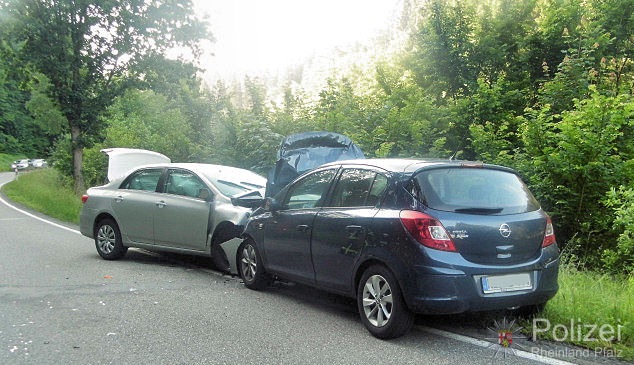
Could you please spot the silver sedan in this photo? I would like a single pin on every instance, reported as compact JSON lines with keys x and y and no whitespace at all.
{"x":182,"y":208}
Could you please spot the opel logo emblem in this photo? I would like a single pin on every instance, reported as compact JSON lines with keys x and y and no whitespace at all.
{"x":505,"y":230}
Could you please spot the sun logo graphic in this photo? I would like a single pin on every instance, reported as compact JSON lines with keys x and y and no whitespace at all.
{"x":504,"y":337}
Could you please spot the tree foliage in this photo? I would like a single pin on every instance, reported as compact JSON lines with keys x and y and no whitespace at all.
{"x":544,"y":86}
{"x":89,"y":49}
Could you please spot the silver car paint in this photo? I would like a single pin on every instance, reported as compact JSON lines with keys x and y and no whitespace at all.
{"x":101,"y":200}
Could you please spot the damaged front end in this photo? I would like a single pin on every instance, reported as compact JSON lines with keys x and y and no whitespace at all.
{"x":302,"y":152}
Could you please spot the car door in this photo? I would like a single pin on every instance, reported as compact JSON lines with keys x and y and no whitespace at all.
{"x":133,"y":204}
{"x":181,"y":217}
{"x":340,"y":229}
{"x":288,"y":231}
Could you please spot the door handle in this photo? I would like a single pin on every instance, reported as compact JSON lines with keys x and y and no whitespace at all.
{"x":161,"y":204}
{"x":354,"y":232}
{"x":303,"y":228}
{"x":118,"y":199}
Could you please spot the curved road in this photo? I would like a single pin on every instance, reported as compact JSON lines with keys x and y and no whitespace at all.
{"x":60,"y":303}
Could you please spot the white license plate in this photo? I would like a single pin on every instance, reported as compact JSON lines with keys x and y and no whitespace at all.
{"x":506,"y":283}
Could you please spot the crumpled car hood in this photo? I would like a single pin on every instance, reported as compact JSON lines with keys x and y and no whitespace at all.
{"x":302,"y":152}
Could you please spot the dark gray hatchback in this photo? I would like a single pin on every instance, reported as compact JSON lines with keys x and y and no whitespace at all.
{"x":406,"y":236}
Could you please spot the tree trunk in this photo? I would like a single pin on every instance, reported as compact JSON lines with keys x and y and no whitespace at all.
{"x":78,"y":155}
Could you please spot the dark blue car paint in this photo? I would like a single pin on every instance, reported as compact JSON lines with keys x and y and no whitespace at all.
{"x":330,"y":247}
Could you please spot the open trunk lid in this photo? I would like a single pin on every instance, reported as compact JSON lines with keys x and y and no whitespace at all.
{"x":122,"y":160}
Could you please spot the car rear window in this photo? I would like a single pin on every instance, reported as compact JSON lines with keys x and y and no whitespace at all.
{"x":473,"y":191}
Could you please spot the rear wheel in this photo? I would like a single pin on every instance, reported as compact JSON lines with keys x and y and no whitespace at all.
{"x":108,"y":240}
{"x":250,"y":266}
{"x":381,"y":305}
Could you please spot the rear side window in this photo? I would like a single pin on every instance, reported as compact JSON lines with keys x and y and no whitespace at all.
{"x":358,"y":188}
{"x":146,"y":179}
{"x":473,"y":191}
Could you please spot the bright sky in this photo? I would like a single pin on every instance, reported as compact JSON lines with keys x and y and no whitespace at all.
{"x":260,"y":35}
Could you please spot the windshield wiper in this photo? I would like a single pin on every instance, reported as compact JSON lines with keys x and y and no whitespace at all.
{"x":251,"y":185}
{"x":479,"y":210}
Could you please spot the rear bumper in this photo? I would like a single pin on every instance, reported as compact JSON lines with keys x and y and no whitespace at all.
{"x":86,"y":221}
{"x":458,"y":291}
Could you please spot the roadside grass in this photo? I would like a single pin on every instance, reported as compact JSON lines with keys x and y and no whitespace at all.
{"x":592,"y":310}
{"x":6,"y":160}
{"x":44,"y":191}
{"x":586,"y":298}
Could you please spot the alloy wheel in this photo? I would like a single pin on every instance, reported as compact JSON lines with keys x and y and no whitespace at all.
{"x":248,"y":263}
{"x":106,"y":239}
{"x":377,"y":300}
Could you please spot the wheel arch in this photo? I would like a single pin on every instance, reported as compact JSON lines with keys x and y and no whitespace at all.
{"x":225,"y":231}
{"x":223,"y":255}
{"x":401,"y":277}
{"x":363,"y":267}
{"x":100,"y":217}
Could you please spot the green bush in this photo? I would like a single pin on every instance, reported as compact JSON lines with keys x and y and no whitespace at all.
{"x":576,"y":157}
{"x":621,"y":258}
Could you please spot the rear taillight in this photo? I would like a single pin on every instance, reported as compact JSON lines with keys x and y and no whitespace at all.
{"x":549,"y":235}
{"x":84,"y":198}
{"x":427,"y":230}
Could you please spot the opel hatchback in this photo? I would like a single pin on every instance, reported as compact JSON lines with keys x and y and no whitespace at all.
{"x":406,"y":236}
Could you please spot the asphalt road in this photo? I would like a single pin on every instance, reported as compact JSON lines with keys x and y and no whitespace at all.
{"x":60,"y":303}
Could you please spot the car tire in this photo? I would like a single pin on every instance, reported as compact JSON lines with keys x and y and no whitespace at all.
{"x":250,"y":268}
{"x":379,"y":296}
{"x":108,"y":240}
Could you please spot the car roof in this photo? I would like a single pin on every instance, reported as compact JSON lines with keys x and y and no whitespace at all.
{"x":217,"y":171}
{"x":408,"y":165}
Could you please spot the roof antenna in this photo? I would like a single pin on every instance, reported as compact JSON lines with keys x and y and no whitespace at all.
{"x":453,"y":157}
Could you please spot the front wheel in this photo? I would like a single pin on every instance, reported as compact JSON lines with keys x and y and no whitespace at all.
{"x":381,"y":305}
{"x":250,"y":266}
{"x":108,"y":240}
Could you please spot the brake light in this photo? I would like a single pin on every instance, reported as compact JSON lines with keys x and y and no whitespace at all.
{"x":84,"y":198}
{"x":427,"y":230}
{"x":549,"y":235}
{"x":472,"y":164}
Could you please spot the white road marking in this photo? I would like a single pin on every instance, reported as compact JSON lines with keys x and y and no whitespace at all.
{"x":486,"y":344}
{"x":36,"y":217}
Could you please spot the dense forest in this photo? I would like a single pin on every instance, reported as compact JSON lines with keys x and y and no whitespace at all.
{"x":543,"y":86}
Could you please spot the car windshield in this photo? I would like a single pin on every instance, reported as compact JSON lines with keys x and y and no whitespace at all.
{"x":231,"y":181}
{"x":229,"y":188}
{"x":473,"y":191}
